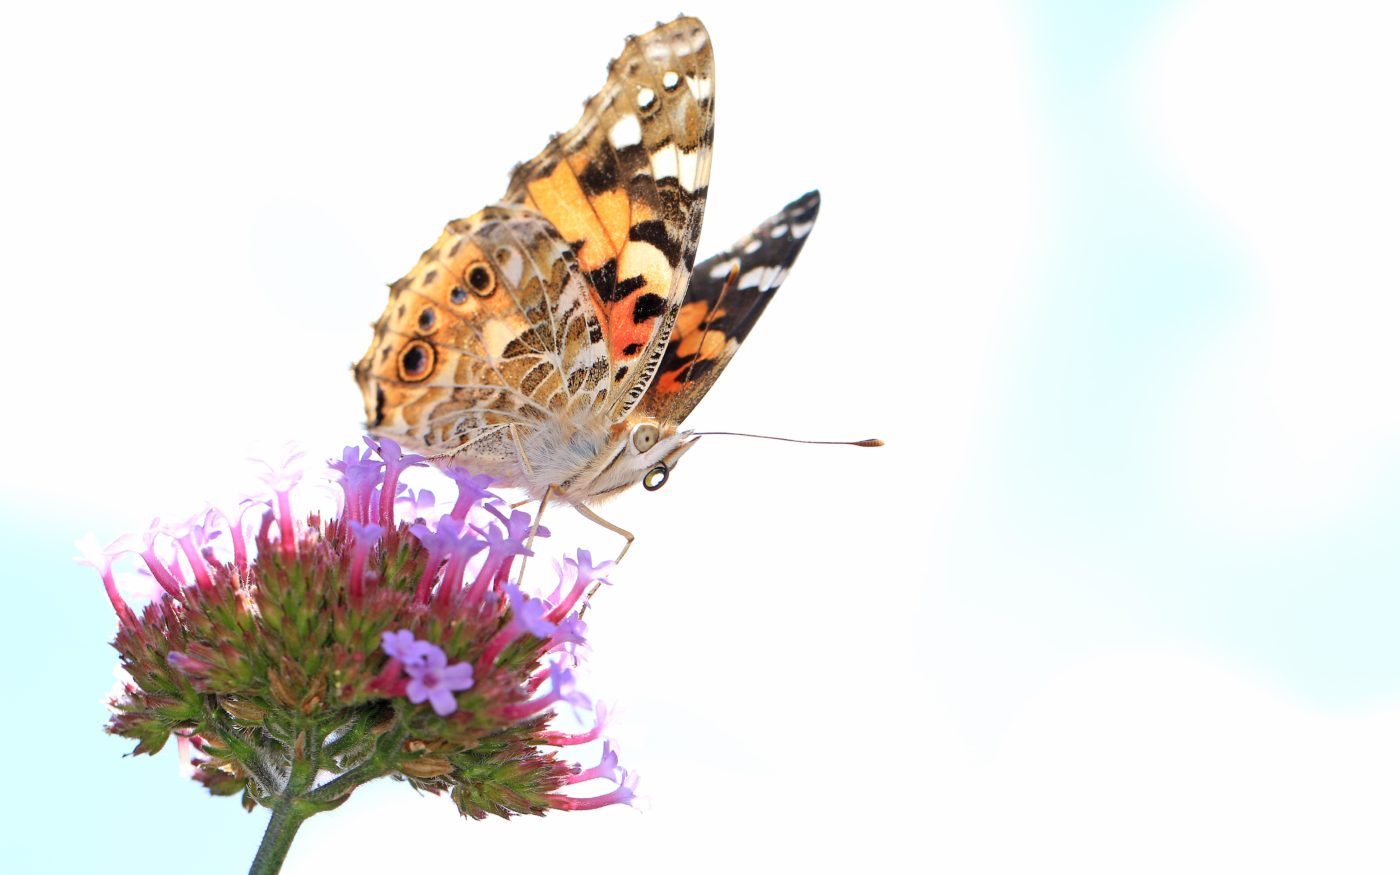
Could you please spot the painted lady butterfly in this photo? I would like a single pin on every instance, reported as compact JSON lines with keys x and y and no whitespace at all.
{"x":556,"y":341}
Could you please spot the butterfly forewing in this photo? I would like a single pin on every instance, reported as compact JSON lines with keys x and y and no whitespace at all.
{"x":728,"y":293}
{"x":626,"y":189}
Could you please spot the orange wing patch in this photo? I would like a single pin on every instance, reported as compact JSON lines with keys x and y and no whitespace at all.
{"x":626,"y":189}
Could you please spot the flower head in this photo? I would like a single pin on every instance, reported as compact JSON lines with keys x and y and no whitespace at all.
{"x":365,"y":645}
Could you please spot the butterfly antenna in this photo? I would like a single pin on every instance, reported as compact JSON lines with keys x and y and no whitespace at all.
{"x":868,"y":442}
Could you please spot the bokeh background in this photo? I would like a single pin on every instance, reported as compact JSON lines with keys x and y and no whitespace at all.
{"x":1116,"y":281}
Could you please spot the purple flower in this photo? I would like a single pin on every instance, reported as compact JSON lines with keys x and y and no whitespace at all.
{"x":419,"y":504}
{"x":504,"y":547}
{"x":600,"y":722}
{"x":366,"y":534}
{"x":562,"y":688}
{"x":606,"y":768}
{"x":282,"y":476}
{"x":527,"y":616}
{"x":565,"y":686}
{"x":433,"y":680}
{"x":453,"y":541}
{"x":193,"y":535}
{"x":569,"y":634}
{"x":280,"y":479}
{"x":401,"y":645}
{"x":624,"y":794}
{"x":585,"y":573}
{"x":471,"y":491}
{"x":95,"y":556}
{"x":518,"y":528}
{"x":162,"y":573}
{"x":359,"y":480}
{"x":394,"y":464}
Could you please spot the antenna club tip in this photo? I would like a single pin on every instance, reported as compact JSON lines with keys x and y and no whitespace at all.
{"x":870,"y":442}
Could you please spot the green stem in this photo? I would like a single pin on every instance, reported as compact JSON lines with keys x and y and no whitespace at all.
{"x":290,"y":811}
{"x":385,"y":758}
{"x":299,"y":799}
{"x":287,"y":818}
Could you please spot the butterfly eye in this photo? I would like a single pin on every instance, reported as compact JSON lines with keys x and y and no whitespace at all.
{"x":481,"y":278}
{"x":656,"y":478}
{"x":416,"y":361}
{"x":644,"y":437}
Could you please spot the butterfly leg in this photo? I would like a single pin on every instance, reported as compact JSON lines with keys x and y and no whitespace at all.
{"x":544,"y":500}
{"x":539,"y":514}
{"x":588,"y":513}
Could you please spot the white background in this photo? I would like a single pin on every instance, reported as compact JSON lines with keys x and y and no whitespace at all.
{"x":1115,"y":282}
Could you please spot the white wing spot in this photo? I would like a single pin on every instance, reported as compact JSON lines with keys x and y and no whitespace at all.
{"x":762,"y":278}
{"x":802,"y":229}
{"x":688,"y":169}
{"x":626,"y":131}
{"x":665,"y":163}
{"x":670,"y":80}
{"x":777,"y":231}
{"x":512,"y":266}
{"x":721,"y":270}
{"x":645,"y":98}
{"x":753,"y":246}
{"x":699,"y":87}
{"x":697,"y":40}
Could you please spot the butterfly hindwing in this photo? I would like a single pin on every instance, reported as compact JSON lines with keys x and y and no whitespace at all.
{"x":727,"y":294}
{"x":493,"y":327}
{"x":626,"y":188}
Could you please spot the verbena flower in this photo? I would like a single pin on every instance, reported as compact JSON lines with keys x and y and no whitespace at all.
{"x":324,"y":653}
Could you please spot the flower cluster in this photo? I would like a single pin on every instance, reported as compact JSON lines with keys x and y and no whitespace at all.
{"x":299,"y":658}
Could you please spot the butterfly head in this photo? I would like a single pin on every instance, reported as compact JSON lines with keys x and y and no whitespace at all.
{"x":640,"y":450}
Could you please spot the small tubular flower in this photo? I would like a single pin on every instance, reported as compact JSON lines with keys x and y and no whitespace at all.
{"x":606,"y":768}
{"x":94,"y":556}
{"x":624,"y":794}
{"x":471,"y":491}
{"x":585,"y":573}
{"x":395,"y":462}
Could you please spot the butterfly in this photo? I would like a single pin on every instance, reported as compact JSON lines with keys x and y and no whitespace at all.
{"x":556,"y":340}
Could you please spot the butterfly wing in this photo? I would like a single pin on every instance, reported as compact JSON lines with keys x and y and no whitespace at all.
{"x":494,"y":327}
{"x":727,"y":295}
{"x":626,"y":188}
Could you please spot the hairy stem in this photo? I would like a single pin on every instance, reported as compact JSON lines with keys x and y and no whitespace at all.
{"x":287,"y":818}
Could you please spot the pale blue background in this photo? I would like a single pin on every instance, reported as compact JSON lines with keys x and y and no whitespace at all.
{"x":860,"y":662}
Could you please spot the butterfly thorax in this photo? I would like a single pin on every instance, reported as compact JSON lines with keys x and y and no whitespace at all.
{"x":589,"y":461}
